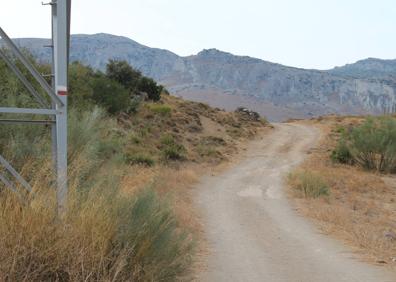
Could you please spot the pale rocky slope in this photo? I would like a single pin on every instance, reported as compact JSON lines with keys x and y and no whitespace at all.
{"x":225,"y":80}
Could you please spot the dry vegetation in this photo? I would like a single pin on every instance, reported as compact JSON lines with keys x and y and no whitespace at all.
{"x":360,"y":206}
{"x":134,"y":152}
{"x":174,"y":129}
{"x":130,"y":215}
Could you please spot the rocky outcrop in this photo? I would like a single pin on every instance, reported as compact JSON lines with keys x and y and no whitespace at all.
{"x":369,"y":68}
{"x":367,"y":87}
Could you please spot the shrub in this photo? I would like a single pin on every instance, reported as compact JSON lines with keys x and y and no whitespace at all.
{"x":104,"y":237}
{"x":341,"y":153}
{"x":310,"y":184}
{"x":133,"y":80}
{"x":174,"y":152}
{"x":171,"y":150}
{"x":370,"y":145}
{"x":163,"y":251}
{"x":135,"y":103}
{"x":149,"y":86}
{"x":117,"y":91}
{"x":80,"y":86}
{"x":139,"y":159}
{"x":123,"y":73}
{"x":92,"y":141}
{"x":111,"y":95}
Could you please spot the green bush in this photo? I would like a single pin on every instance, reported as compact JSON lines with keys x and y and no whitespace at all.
{"x":124,"y":74}
{"x":81,"y":92}
{"x":341,"y":153}
{"x":91,"y":138}
{"x":149,"y":228}
{"x":310,"y":184}
{"x":172,"y":150}
{"x":133,"y":80}
{"x":135,"y":103}
{"x":139,"y":159}
{"x":111,"y":95}
{"x":370,"y":145}
{"x":149,"y":86}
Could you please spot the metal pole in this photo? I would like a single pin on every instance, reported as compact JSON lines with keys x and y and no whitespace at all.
{"x":9,"y":110}
{"x":53,"y":105}
{"x":23,"y":79}
{"x":43,"y":83}
{"x":26,"y":121}
{"x":57,"y":93}
{"x":14,"y":173}
{"x":60,"y":40}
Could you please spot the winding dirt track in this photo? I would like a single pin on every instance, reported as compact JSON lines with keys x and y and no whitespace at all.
{"x":254,"y":234}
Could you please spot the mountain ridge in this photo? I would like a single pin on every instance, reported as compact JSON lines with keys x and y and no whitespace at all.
{"x":222,"y":79}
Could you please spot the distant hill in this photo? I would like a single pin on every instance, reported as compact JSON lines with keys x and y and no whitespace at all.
{"x":227,"y":81}
{"x":369,"y":68}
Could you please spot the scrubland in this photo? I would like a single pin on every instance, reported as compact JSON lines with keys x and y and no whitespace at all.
{"x":347,"y":184}
{"x":134,"y":154}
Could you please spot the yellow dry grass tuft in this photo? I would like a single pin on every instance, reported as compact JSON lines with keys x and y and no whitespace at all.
{"x":105,"y":236}
{"x":361,"y":208}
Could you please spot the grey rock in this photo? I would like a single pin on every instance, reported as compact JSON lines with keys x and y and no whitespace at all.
{"x":390,"y":235}
{"x":248,"y":114}
{"x":225,"y":80}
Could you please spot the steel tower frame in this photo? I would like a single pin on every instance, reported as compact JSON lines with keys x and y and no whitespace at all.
{"x":57,"y":94}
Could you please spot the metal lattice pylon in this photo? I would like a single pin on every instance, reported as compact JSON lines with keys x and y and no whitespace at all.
{"x":57,"y":94}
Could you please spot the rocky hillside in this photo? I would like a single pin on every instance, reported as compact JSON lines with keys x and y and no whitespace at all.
{"x":369,"y":68}
{"x":227,"y":81}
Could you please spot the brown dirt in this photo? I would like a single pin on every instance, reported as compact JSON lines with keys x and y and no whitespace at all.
{"x":252,"y":232}
{"x":361,"y":209}
{"x":208,"y":135}
{"x":213,"y":138}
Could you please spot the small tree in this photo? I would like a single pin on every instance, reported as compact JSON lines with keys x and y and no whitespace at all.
{"x":111,"y":95}
{"x":150,"y":87}
{"x":371,"y":145}
{"x":133,"y":80}
{"x":123,"y":73}
{"x":80,"y":88}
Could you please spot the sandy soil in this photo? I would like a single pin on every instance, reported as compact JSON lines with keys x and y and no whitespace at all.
{"x":252,"y":231}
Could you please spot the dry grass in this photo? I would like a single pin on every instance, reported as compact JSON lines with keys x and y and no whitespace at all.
{"x":171,"y":182}
{"x":104,"y":237}
{"x":308,"y":184}
{"x":193,"y":127}
{"x":361,"y":208}
{"x":125,"y":222}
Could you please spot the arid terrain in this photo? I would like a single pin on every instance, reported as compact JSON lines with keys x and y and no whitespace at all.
{"x":360,"y":209}
{"x":253,"y":232}
{"x":233,"y":141}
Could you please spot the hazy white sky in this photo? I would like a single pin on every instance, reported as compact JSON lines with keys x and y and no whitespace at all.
{"x":301,"y":33}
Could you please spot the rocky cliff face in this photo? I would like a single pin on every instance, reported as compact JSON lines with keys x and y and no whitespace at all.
{"x":224,"y":80}
{"x":369,"y":68}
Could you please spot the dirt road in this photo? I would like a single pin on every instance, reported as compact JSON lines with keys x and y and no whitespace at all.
{"x":254,"y":234}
